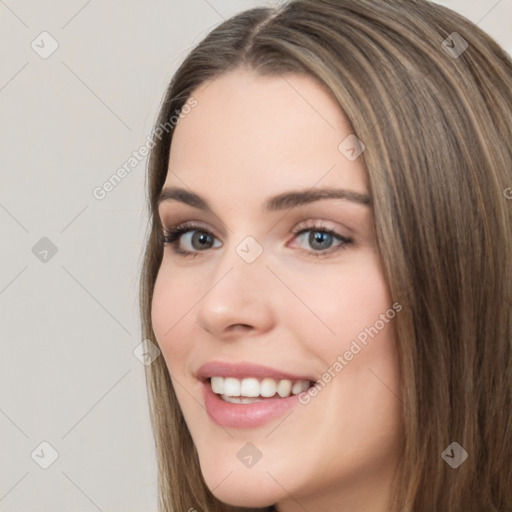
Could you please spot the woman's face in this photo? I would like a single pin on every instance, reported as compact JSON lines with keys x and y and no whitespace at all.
{"x":278,"y":288}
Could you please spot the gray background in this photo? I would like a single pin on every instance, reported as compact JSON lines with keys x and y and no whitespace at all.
{"x":69,"y":321}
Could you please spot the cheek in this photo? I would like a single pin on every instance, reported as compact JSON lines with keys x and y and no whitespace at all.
{"x":345,"y":302}
{"x":363,"y":306}
{"x":170,"y":304}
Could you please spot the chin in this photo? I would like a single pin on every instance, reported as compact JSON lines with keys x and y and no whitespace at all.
{"x":243,"y":487}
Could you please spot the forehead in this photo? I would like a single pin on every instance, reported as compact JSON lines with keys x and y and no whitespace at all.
{"x":252,"y":133}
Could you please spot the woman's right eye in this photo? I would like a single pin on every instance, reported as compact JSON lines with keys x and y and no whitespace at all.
{"x":195,"y":238}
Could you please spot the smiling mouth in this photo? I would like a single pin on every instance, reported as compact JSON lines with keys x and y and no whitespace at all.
{"x":251,"y":390}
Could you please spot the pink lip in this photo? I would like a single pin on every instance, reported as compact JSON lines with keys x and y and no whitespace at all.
{"x":243,"y":370}
{"x":252,"y":415}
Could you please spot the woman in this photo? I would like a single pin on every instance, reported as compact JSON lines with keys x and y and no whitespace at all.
{"x":329,"y":268}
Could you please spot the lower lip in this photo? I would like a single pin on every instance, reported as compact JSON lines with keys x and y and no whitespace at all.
{"x":252,"y":415}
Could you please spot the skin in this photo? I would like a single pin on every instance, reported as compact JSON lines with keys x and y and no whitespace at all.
{"x":249,"y":138}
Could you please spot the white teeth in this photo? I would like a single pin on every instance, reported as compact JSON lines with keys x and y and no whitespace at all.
{"x":299,"y":386}
{"x":250,"y":388}
{"x":284,"y":388}
{"x":268,"y":387}
{"x":231,"y":387}
{"x":217,"y":384}
{"x":239,"y":399}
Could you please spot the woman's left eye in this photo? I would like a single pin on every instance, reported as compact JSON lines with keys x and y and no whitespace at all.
{"x":322,"y":241}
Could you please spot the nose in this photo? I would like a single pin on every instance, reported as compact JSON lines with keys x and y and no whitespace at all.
{"x":239,"y":299}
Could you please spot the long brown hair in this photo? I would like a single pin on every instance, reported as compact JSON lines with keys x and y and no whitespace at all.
{"x":436,"y":119}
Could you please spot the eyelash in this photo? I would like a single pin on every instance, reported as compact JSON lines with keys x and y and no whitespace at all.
{"x":172,"y":238}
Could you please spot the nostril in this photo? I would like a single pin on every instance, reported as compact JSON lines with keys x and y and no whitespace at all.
{"x":239,"y":327}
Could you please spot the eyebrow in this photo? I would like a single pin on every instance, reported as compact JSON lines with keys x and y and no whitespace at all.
{"x":281,"y":201}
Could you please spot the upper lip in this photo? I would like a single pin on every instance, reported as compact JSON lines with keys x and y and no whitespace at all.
{"x":243,"y":369}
